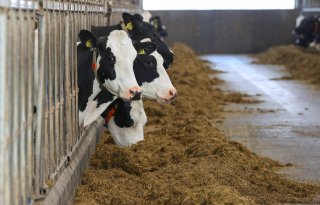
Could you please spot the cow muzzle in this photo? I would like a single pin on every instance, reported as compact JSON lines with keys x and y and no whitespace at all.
{"x":170,"y":96}
{"x":134,"y":93}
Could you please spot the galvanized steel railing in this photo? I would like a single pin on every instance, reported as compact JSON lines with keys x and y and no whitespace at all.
{"x":38,"y":73}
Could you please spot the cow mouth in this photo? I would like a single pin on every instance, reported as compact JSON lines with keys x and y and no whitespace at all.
{"x":165,"y":100}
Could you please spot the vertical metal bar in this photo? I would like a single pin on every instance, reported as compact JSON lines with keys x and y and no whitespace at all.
{"x":4,"y":112}
{"x":56,"y":87}
{"x":67,"y":89}
{"x":15,"y":155}
{"x":71,"y":50}
{"x":30,"y":106}
{"x":51,"y":40}
{"x":47,"y":69}
{"x":23,"y":34}
{"x":39,"y":164}
{"x":61,"y":85}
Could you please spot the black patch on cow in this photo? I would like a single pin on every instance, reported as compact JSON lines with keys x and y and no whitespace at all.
{"x":85,"y":75}
{"x":145,"y":65}
{"x":106,"y":68}
{"x":103,"y":97}
{"x":122,"y":117}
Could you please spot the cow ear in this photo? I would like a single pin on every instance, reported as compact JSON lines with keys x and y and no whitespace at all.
{"x":87,"y":38}
{"x":128,"y":21}
{"x":138,"y":17}
{"x":145,"y":48}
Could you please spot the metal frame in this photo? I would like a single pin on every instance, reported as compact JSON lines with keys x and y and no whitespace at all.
{"x":38,"y":68}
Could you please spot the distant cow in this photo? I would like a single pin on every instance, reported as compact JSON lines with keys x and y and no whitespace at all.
{"x":160,"y":28}
{"x":105,"y":63}
{"x":307,"y":31}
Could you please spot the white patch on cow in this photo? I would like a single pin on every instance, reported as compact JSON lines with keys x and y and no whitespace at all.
{"x":95,"y":90}
{"x":159,"y":87}
{"x":134,"y":134}
{"x":299,"y":20}
{"x":145,"y":40}
{"x":93,"y":112}
{"x":122,"y":48}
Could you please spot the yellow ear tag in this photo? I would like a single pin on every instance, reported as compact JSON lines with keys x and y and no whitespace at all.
{"x":129,"y":26}
{"x":88,"y":43}
{"x":141,"y":52}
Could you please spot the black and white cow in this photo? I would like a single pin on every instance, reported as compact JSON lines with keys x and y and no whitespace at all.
{"x":105,"y":63}
{"x":126,"y":120}
{"x":160,"y":28}
{"x":307,"y":31}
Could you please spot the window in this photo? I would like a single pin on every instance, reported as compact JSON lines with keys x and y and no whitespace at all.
{"x":217,"y":4}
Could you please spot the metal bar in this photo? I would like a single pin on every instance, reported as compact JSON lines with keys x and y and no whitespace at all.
{"x":4,"y":112}
{"x":30,"y":106}
{"x":39,"y":164}
{"x":23,"y":35}
{"x":56,"y":88}
{"x":67,"y":90}
{"x":15,"y":154}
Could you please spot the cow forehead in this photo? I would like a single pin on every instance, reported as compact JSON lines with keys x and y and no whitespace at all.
{"x":121,"y":45}
{"x":299,"y":20}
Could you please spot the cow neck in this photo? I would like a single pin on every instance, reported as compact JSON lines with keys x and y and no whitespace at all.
{"x":95,"y":68}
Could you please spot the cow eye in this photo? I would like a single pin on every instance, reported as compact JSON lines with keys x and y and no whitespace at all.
{"x":148,"y":63}
{"x":111,"y":58}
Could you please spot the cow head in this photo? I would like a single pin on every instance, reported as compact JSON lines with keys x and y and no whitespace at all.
{"x":151,"y":75}
{"x":138,"y":30}
{"x":304,"y":26}
{"x":115,"y":58}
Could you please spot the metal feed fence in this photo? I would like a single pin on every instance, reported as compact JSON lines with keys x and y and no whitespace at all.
{"x":39,"y":128}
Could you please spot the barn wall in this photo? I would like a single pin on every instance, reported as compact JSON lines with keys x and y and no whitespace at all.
{"x":229,"y":31}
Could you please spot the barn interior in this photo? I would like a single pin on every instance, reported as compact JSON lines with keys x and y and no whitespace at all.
{"x":242,"y":129}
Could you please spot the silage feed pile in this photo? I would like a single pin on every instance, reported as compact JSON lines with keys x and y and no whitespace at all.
{"x":184,"y":158}
{"x":302,"y":64}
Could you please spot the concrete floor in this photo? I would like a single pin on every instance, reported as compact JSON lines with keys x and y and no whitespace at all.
{"x":285,"y":126}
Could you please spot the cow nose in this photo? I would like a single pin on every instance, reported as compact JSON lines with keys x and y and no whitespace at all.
{"x":137,"y":96}
{"x":172,"y":93}
{"x":135,"y":93}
